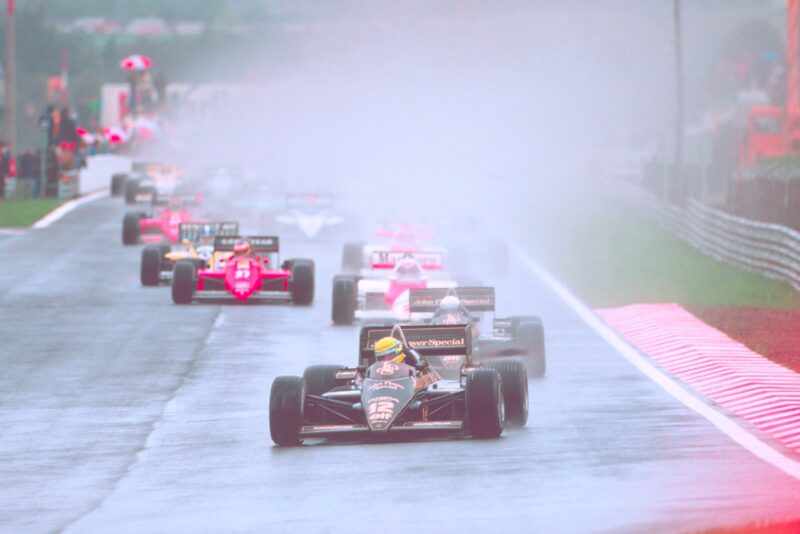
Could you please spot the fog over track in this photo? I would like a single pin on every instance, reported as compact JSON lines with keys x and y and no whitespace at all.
{"x":120,"y":409}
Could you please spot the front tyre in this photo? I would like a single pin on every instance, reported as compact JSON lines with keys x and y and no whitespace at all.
{"x":515,"y":388}
{"x":131,"y":227}
{"x":131,"y":190}
{"x":302,"y":284}
{"x":321,"y":378}
{"x":344,"y":299}
{"x":151,"y":266}
{"x":184,"y":282}
{"x":286,"y":403}
{"x":530,"y":334}
{"x":485,"y":414}
{"x":118,"y":184}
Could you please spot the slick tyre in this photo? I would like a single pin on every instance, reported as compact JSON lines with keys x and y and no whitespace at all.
{"x":130,"y":227}
{"x":515,"y":388}
{"x":530,"y":334}
{"x":184,"y":282}
{"x":118,"y":184}
{"x":302,"y":286}
{"x":485,"y":412}
{"x":352,"y":257}
{"x":151,"y":266}
{"x":286,"y":402}
{"x":131,"y":190}
{"x":344,"y":299}
{"x":321,"y":378}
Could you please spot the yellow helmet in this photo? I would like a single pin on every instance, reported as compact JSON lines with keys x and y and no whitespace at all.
{"x":389,"y":349}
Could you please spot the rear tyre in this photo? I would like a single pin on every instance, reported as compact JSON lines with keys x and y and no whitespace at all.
{"x":485,"y":413}
{"x":151,"y":266}
{"x":286,"y":399}
{"x":130,"y":227}
{"x":184,"y":282}
{"x":530,"y":334}
{"x":352,"y":257}
{"x":515,"y":388}
{"x":344,"y":299}
{"x":118,"y":184}
{"x":302,"y":286}
{"x":320,"y":378}
{"x":131,"y":190}
{"x":165,"y":248}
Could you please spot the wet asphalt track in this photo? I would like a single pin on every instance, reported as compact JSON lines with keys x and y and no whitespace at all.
{"x":121,"y":412}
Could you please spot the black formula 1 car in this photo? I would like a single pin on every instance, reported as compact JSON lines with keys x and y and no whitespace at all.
{"x":519,"y":335}
{"x":195,"y":242}
{"x":377,"y":399}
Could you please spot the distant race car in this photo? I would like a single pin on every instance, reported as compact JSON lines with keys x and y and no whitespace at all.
{"x":377,"y":399}
{"x":310,"y":214}
{"x":373,"y":295}
{"x":519,"y":335}
{"x":256,"y":277}
{"x":161,"y":224}
{"x":145,"y":180}
{"x":195,"y":242}
{"x":389,"y":238}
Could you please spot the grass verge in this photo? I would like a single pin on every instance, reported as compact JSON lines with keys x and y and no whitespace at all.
{"x":17,"y":213}
{"x":611,"y":256}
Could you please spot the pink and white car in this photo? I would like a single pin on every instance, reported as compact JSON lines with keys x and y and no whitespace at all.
{"x":381,"y":292}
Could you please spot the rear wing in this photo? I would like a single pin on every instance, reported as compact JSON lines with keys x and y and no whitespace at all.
{"x":474,"y":299}
{"x":183,"y":200}
{"x":427,"y":340}
{"x":261,"y":244}
{"x":388,"y":258}
{"x":153,"y":169}
{"x":191,"y":231}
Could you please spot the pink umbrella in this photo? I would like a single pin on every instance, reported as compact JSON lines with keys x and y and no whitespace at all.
{"x":146,"y":128}
{"x":115,"y":135}
{"x":87,"y":136}
{"x":136,"y":62}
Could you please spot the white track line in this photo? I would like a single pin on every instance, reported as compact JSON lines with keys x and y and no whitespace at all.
{"x":67,"y":207}
{"x":726,"y":425}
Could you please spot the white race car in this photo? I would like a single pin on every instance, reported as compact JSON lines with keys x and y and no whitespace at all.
{"x":385,"y":297}
{"x":311,"y":214}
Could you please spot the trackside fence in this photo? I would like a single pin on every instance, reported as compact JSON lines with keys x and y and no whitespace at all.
{"x":770,"y":249}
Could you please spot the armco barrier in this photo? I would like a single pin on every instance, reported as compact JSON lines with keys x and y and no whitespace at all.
{"x":769,"y":249}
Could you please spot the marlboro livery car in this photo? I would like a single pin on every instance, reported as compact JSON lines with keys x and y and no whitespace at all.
{"x":520,"y":335}
{"x":381,"y":397}
{"x":358,"y":297}
{"x":148,"y":179}
{"x":161,"y":224}
{"x":195,"y":242}
{"x":310,"y":214}
{"x":257,"y":276}
{"x":392,"y":238}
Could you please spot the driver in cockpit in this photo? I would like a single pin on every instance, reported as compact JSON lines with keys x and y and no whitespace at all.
{"x":450,"y":312}
{"x":389,"y":349}
{"x":407,"y":269}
